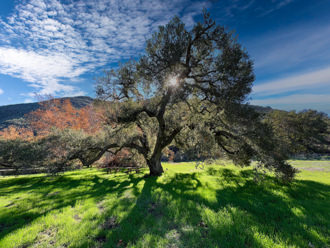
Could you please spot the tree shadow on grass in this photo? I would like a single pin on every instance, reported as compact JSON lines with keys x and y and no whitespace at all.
{"x":175,"y":207}
{"x":297,"y":213}
{"x":174,"y":211}
{"x":48,"y":194}
{"x":153,"y":218}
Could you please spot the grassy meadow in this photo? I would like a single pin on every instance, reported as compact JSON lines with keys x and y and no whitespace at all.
{"x":218,"y":206}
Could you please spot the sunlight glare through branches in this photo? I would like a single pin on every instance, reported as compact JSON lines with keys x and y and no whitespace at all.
{"x":173,"y":81}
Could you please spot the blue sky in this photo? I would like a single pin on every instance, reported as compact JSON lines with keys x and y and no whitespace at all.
{"x":59,"y":47}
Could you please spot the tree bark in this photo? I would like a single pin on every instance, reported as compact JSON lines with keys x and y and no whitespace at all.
{"x":155,"y":165}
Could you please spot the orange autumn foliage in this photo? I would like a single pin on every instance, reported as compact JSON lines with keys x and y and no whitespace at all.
{"x":56,"y":113}
{"x":62,"y":115}
{"x":13,"y":132}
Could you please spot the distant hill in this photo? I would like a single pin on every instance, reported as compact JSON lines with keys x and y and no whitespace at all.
{"x":14,"y":114}
{"x":262,"y":109}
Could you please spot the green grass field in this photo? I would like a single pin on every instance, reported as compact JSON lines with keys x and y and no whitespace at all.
{"x":220,"y":206}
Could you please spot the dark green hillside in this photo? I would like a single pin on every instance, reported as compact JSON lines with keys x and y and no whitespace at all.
{"x":261,"y":109}
{"x":14,"y":114}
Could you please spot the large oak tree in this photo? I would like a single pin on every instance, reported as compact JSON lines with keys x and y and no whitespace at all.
{"x":189,"y":88}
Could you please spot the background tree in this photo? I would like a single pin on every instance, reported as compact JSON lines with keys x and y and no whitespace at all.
{"x":59,"y":136}
{"x":53,"y":138}
{"x":53,"y":153}
{"x":189,"y":82}
{"x":21,"y":154}
{"x":306,"y":132}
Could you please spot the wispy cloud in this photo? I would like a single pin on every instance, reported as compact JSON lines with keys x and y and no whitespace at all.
{"x":232,"y":7}
{"x":47,"y":42}
{"x":296,"y":99}
{"x":308,"y":90}
{"x":303,"y":81}
{"x":296,"y":58}
{"x":1,"y":91}
{"x":298,"y":102}
{"x":291,"y":47}
{"x":277,"y":4}
{"x":235,"y":8}
{"x":42,"y":70}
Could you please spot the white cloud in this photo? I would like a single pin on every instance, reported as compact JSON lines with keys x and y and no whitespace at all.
{"x":28,"y":100}
{"x":1,"y":91}
{"x":46,"y":42}
{"x":293,"y":83}
{"x":37,"y":68}
{"x":291,"y":47}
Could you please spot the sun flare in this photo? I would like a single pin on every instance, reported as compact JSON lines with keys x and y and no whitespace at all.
{"x":173,"y":81}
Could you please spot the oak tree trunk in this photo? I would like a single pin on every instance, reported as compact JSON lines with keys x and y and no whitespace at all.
{"x":155,"y":165}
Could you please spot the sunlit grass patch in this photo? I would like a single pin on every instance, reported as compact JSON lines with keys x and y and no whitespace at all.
{"x":218,"y":206}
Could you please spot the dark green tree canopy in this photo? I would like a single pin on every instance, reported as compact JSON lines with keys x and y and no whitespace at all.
{"x":306,"y":132}
{"x":190,"y":88}
{"x":206,"y":62}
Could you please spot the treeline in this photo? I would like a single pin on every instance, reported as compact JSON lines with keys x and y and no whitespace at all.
{"x":59,"y":136}
{"x":303,"y":135}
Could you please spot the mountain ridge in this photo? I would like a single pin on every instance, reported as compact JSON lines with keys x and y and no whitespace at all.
{"x":13,"y":114}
